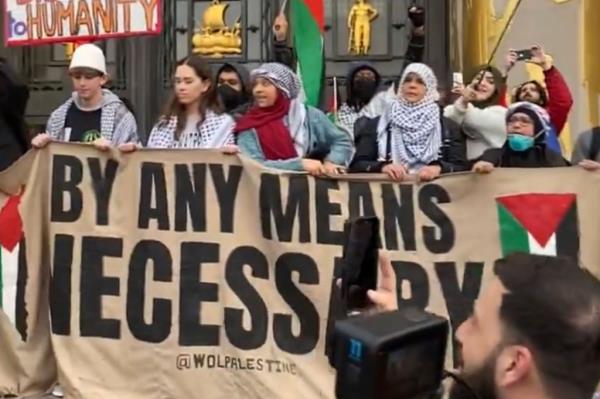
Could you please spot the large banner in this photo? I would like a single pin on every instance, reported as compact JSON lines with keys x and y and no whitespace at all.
{"x":28,"y":22}
{"x":166,"y":274}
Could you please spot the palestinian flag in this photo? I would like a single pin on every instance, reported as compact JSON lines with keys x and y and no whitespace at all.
{"x":11,"y":233}
{"x":543,"y":224}
{"x":308,"y":20}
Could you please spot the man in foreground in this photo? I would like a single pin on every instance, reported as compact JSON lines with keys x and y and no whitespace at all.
{"x":534,"y":332}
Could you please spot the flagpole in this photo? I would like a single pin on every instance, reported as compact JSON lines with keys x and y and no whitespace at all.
{"x":335,"y":99}
{"x":497,"y":45}
{"x":503,"y":33}
{"x":283,"y":6}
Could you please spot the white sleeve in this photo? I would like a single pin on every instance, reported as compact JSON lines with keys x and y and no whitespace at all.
{"x":488,"y":123}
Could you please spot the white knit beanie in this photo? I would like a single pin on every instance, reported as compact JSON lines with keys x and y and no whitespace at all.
{"x":88,"y":56}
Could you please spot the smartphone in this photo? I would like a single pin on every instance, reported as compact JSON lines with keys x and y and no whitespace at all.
{"x":457,"y":80}
{"x":523,"y":55}
{"x":360,"y":261}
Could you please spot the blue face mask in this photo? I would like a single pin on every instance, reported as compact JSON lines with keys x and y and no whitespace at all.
{"x":519,"y":142}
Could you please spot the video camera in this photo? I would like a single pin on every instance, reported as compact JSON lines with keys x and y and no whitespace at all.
{"x":395,"y":355}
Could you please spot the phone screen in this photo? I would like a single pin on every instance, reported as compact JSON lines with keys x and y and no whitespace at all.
{"x":524,"y":54}
{"x":457,"y":79}
{"x":361,"y":255}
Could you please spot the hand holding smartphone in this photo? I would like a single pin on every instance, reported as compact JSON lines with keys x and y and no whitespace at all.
{"x":523,"y":55}
{"x":457,"y":83}
{"x":360,"y":262}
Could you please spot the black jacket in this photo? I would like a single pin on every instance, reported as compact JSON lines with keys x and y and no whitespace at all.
{"x":14,"y":94}
{"x":244,"y":76}
{"x":539,"y":156}
{"x":284,"y":54}
{"x":452,"y":153}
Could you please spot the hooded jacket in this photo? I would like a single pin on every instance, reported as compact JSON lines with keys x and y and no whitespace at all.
{"x":538,"y":156}
{"x":351,"y":110}
{"x":117,"y":123}
{"x":14,"y":95}
{"x":353,"y":69}
{"x":244,"y":76}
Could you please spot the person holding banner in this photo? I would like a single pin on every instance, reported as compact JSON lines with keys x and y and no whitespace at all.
{"x":281,"y":132}
{"x":409,"y":134}
{"x":527,"y":125}
{"x":92,"y":114}
{"x":193,"y":118}
{"x":478,"y":112}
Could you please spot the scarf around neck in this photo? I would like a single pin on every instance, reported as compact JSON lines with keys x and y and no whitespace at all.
{"x":273,"y":135}
{"x":415,"y":128}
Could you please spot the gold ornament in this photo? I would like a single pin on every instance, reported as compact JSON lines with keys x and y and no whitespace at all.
{"x":69,"y":50}
{"x":359,"y":24}
{"x":215,"y":38}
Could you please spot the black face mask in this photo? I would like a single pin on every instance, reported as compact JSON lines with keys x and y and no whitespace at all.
{"x":230,"y":97}
{"x":363,"y":90}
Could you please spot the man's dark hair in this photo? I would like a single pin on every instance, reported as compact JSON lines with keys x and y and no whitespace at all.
{"x":229,"y":68}
{"x":553,"y":308}
{"x":543,"y":95}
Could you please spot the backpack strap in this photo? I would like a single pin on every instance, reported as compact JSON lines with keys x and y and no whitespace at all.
{"x":595,"y":146}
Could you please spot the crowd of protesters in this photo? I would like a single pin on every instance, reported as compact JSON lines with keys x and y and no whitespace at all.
{"x":405,"y":129}
{"x":401,"y":130}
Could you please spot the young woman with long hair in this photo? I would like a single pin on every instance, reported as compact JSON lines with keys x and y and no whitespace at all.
{"x":193,"y":117}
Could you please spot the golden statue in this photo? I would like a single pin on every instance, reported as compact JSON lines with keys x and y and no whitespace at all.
{"x":215,"y":38}
{"x":359,"y":23}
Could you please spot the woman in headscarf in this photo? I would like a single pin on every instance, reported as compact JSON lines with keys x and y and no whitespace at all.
{"x":409,"y":134}
{"x":281,"y":132}
{"x":527,"y":125}
{"x":478,"y":111}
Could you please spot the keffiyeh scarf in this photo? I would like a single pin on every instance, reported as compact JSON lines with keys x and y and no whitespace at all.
{"x":414,"y":128}
{"x":288,"y":83}
{"x":215,"y":131}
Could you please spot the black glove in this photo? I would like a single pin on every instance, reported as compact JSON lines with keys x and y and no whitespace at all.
{"x":416,"y":14}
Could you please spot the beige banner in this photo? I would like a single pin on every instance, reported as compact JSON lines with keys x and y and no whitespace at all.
{"x":163,"y":274}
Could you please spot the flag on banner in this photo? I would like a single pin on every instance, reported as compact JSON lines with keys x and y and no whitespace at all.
{"x":308,"y":20}
{"x":543,"y":224}
{"x":11,"y":232}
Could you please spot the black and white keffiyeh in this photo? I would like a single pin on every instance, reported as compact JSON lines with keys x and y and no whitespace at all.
{"x":281,"y":76}
{"x":215,"y":131}
{"x":117,"y":123}
{"x":415,"y":129}
{"x":287,"y":81}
